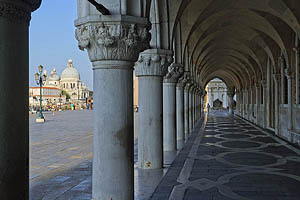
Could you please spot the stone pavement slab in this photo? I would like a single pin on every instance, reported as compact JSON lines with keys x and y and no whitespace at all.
{"x":228,"y":158}
{"x":61,"y":159}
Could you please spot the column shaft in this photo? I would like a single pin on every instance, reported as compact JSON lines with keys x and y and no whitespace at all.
{"x":150,"y":68}
{"x":257,"y":102}
{"x":180,"y":112}
{"x":150,"y":127}
{"x":265,"y":103}
{"x":277,"y":99}
{"x":190,"y":110}
{"x":14,"y":122}
{"x":113,"y":131}
{"x":169,"y":116}
{"x":186,"y":112}
{"x":290,"y":99}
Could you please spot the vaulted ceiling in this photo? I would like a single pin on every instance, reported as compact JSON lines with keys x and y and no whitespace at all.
{"x":233,"y":39}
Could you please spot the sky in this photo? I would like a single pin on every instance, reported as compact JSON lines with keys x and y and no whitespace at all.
{"x":52,"y":40}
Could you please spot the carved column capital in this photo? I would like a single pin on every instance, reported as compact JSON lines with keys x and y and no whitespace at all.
{"x":174,"y":72}
{"x":153,"y":62}
{"x":113,"y":37}
{"x":230,"y":94}
{"x":184,"y":79}
{"x":289,"y":73}
{"x":264,"y":83}
{"x":276,"y":77}
{"x":18,"y":11}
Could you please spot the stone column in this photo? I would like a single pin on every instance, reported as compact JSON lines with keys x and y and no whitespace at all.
{"x":288,"y":73}
{"x":277,"y":108}
{"x":252,"y":102}
{"x":244,"y":102}
{"x":296,"y":49}
{"x":186,"y":106}
{"x":113,"y":44}
{"x":194,"y":107}
{"x":230,"y":102}
{"x":14,"y":124}
{"x":151,"y":66}
{"x":180,"y":107}
{"x":282,"y":85}
{"x":257,"y":101}
{"x":191,"y":109}
{"x":264,"y":86}
{"x":169,"y":107}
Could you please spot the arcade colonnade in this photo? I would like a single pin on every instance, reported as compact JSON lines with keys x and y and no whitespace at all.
{"x":175,"y":47}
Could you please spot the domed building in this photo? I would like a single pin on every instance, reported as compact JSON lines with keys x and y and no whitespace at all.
{"x":69,"y":82}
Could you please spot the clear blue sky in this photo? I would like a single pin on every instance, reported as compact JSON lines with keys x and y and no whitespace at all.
{"x":52,"y":40}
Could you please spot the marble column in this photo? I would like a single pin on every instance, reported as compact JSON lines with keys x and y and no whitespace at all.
{"x":230,"y":102}
{"x":264,"y":86}
{"x":151,"y":66}
{"x":14,"y":123}
{"x":289,"y":75}
{"x":277,"y":106}
{"x":252,"y":103}
{"x":113,"y":51}
{"x":169,"y":107}
{"x":257,"y":101}
{"x":180,"y":107}
{"x":191,"y":103}
{"x":297,"y":50}
{"x":186,"y":106}
{"x":194,"y":107}
{"x":282,"y":80}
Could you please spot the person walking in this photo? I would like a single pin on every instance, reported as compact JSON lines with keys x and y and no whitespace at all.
{"x":208,"y":107}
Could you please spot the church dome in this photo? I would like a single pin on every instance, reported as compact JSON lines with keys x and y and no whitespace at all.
{"x":53,"y":76}
{"x":70,"y":73}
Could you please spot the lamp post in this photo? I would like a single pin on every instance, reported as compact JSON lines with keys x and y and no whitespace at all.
{"x":60,"y":102}
{"x":40,"y":79}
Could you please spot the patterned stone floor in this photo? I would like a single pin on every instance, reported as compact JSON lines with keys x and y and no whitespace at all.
{"x":60,"y":159}
{"x":228,"y":158}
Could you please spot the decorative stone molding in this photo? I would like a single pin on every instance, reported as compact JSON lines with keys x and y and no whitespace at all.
{"x":113,"y":37}
{"x":182,"y":81}
{"x":174,"y":72}
{"x":230,"y":94}
{"x":33,"y":4}
{"x":153,"y":62}
{"x":264,"y":83}
{"x":276,"y":77}
{"x":15,"y":13}
{"x":289,"y":73}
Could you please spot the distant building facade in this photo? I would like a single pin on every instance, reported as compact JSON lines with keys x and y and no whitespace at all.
{"x":58,"y":89}
{"x":216,"y":94}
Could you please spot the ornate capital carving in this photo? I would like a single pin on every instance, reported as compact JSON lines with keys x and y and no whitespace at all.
{"x":16,"y":12}
{"x":276,"y":77}
{"x":230,"y":94}
{"x":289,"y":73}
{"x":174,"y":72}
{"x":185,"y":80}
{"x":113,"y":37}
{"x":182,"y":81}
{"x":296,"y":50}
{"x":33,"y":4}
{"x":153,"y":62}
{"x":264,"y":83}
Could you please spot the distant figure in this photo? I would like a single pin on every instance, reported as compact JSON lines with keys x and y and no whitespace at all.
{"x":208,"y":107}
{"x":53,"y":110}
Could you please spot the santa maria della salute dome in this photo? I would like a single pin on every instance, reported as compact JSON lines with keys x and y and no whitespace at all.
{"x":68,"y":81}
{"x":70,"y":73}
